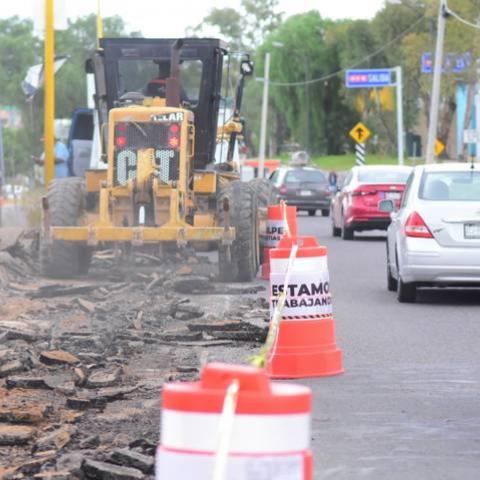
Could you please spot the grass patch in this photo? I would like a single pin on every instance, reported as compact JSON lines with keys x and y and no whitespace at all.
{"x":345,"y":162}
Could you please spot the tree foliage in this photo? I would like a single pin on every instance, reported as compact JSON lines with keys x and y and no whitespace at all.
{"x":243,"y":29}
{"x":313,"y":111}
{"x":78,"y":42}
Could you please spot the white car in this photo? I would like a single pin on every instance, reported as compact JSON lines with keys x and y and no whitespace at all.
{"x":434,"y":237}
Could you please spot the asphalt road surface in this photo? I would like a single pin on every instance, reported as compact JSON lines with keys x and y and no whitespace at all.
{"x":408,"y":404}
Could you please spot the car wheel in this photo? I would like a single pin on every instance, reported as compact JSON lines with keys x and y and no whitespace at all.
{"x":392,"y":282}
{"x":336,"y":232}
{"x":311,"y":213}
{"x":347,"y":232}
{"x":406,"y":292}
{"x":325,"y":212}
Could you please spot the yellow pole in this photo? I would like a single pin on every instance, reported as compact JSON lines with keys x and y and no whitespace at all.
{"x":99,"y":24}
{"x":49,"y":106}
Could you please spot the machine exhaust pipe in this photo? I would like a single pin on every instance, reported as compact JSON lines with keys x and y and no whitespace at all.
{"x":173,"y":82}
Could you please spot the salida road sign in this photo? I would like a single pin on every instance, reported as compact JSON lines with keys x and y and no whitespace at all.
{"x":360,"y":132}
{"x":373,"y":77}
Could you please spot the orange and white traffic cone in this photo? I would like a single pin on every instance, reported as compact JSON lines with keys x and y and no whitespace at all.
{"x":280,"y":220}
{"x":305,"y":343}
{"x":259,"y":428}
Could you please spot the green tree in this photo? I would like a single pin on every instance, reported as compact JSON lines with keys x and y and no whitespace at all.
{"x":228,"y":23}
{"x":314,"y":111}
{"x":78,"y":42}
{"x":245,"y":28}
{"x":18,"y":50}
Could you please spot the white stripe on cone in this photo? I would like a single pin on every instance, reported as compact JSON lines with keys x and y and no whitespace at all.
{"x":301,"y":264}
{"x":308,"y":293}
{"x":252,"y":434}
{"x":177,"y":465}
{"x":275,"y":231}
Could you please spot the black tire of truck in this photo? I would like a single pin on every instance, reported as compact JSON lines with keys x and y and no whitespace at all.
{"x":61,"y":259}
{"x":242,"y":263}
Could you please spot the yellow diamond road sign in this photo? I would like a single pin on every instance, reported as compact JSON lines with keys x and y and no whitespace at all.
{"x":360,"y":132}
{"x":439,"y":147}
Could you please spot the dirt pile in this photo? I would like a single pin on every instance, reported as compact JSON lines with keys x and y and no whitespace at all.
{"x":17,"y":254}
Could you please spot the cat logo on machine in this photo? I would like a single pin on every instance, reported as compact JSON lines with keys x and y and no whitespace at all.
{"x":168,"y":117}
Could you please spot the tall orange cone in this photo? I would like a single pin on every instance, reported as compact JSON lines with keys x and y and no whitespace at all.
{"x":305,"y":344}
{"x":280,"y":220}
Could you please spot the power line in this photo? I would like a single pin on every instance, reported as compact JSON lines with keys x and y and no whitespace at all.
{"x":460,"y":19}
{"x":356,"y":64}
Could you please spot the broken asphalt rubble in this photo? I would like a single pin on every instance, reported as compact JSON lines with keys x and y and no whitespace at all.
{"x":82,"y":362}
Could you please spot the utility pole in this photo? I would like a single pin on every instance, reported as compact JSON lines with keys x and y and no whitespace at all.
{"x":49,"y":92}
{"x":477,"y":122}
{"x":437,"y":76}
{"x":399,"y":85}
{"x":263,"y":126}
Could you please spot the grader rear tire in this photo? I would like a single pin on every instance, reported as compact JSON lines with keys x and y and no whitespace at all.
{"x":61,"y":259}
{"x":242,"y":264}
{"x":265,"y":192}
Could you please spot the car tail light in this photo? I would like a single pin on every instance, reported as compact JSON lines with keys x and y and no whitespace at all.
{"x":363,"y":193}
{"x":121,"y":135}
{"x":174,"y":136}
{"x":416,"y":227}
{"x":283,"y":190}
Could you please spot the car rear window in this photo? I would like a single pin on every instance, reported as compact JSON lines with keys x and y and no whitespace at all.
{"x":451,"y":186}
{"x":383,"y":176}
{"x":303,"y":176}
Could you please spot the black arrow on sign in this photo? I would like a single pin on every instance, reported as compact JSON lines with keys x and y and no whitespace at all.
{"x":359,"y":131}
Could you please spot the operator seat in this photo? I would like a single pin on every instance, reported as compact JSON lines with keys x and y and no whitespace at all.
{"x":156,"y":88}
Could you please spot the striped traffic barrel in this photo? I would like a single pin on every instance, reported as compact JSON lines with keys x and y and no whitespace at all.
{"x":279,"y":217}
{"x":305,"y":344}
{"x":270,"y":436}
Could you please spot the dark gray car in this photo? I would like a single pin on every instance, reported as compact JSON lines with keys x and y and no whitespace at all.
{"x":306,"y":188}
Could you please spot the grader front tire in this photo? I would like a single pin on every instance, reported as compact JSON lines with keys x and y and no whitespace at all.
{"x":61,"y":259}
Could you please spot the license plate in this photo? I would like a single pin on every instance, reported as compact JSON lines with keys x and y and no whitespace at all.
{"x":472,"y":230}
{"x":393,"y":195}
{"x":305,"y":193}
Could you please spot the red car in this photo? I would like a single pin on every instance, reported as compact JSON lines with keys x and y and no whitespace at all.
{"x":355,"y":206}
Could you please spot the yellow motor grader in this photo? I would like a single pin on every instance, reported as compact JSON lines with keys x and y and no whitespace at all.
{"x":158,"y":103}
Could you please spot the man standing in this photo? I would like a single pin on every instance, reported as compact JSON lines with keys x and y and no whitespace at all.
{"x":62,"y":155}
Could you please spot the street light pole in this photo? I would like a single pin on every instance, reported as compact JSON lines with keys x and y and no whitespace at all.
{"x":437,"y":76}
{"x":263,"y":126}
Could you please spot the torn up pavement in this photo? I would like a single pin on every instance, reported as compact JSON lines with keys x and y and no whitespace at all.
{"x":83,"y":361}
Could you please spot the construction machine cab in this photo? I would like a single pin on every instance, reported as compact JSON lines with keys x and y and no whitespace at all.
{"x":128,"y":69}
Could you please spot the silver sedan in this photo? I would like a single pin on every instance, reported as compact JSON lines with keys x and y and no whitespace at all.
{"x":434,"y":238}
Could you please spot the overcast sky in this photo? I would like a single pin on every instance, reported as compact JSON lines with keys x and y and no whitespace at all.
{"x":162,"y":18}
